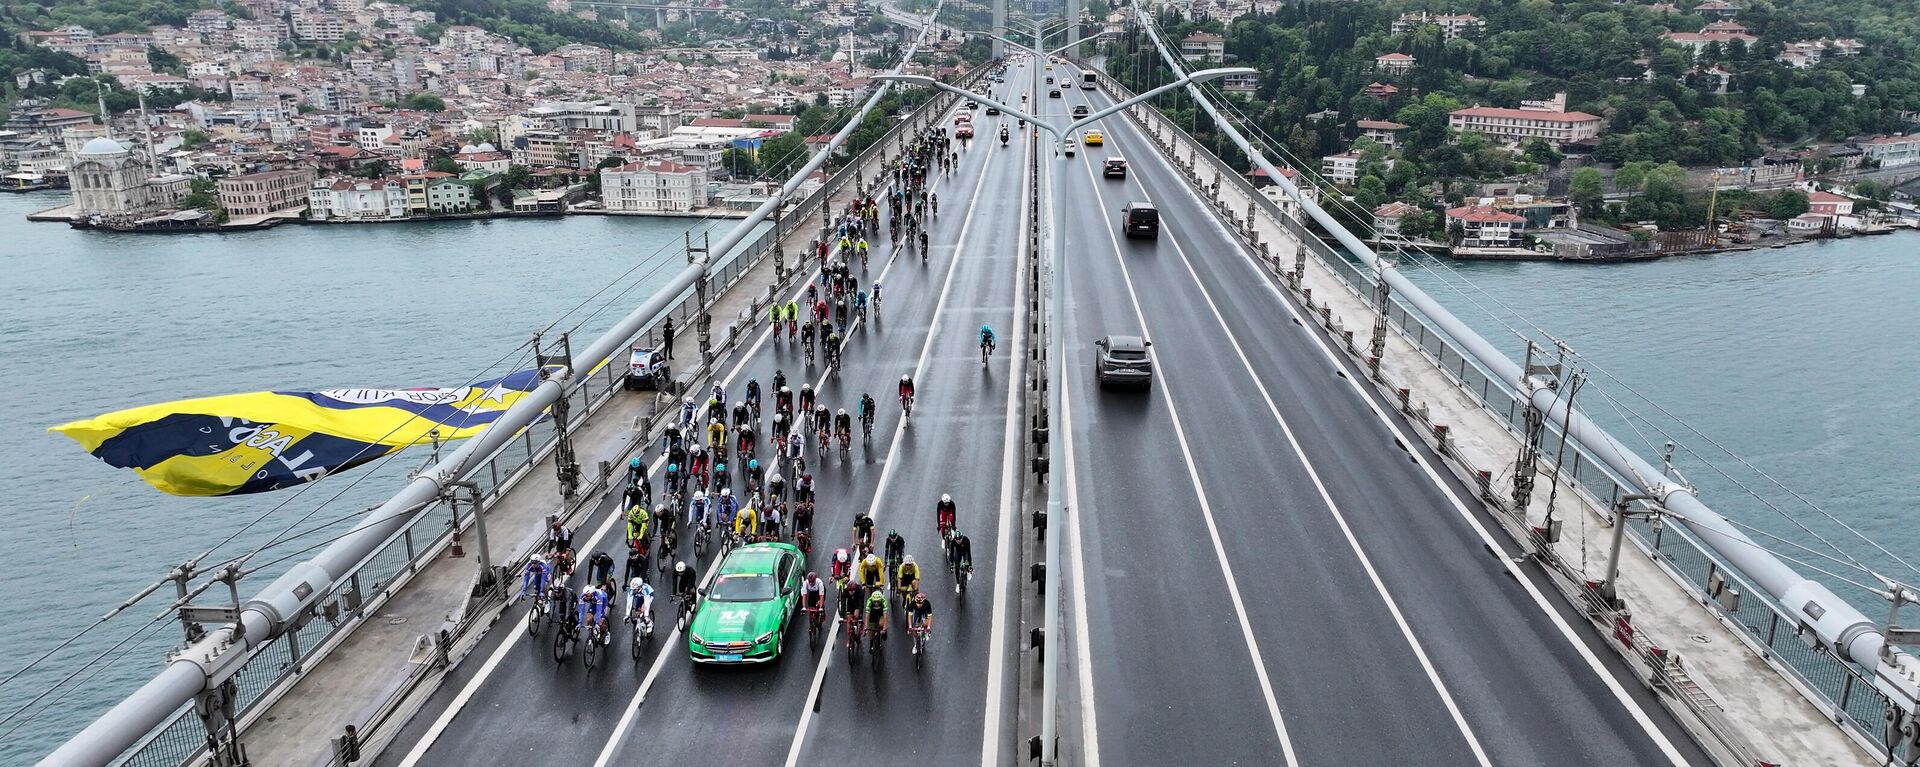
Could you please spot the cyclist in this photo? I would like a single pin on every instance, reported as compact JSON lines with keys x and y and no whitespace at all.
{"x":841,"y":566}
{"x":772,"y":520}
{"x":843,"y":425}
{"x":717,"y":434}
{"x":535,"y":577}
{"x":876,"y":616}
{"x":866,"y":412}
{"x":640,"y":603}
{"x":741,"y":415}
{"x":863,"y":531}
{"x":773,"y":318}
{"x":822,"y":421}
{"x":876,"y":295}
{"x":687,"y":410}
{"x":753,"y":396}
{"x":833,"y":347}
{"x":933,"y":198}
{"x":803,"y":518}
{"x":920,"y":614}
{"x":960,"y":554}
{"x":745,"y":444}
{"x":906,"y":393}
{"x":673,"y":477}
{"x":871,"y":573}
{"x":599,"y":567}
{"x":670,"y":437}
{"x":860,"y":248}
{"x":813,"y":592}
{"x":806,"y":398}
{"x":895,"y":546}
{"x":728,"y":508}
{"x":792,"y":313}
{"x":782,"y":401}
{"x":776,"y":485}
{"x":722,"y":478}
{"x":906,"y":578}
{"x":686,"y":579}
{"x":852,"y":596}
{"x":944,"y":513}
{"x":803,"y":489}
{"x":986,"y":338}
{"x":637,"y":519}
{"x":559,"y":537}
{"x":697,"y":510}
{"x":593,"y":606}
{"x":746,"y":526}
{"x":795,"y":443}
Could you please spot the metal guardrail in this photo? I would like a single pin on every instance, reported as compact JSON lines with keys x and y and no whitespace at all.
{"x":275,"y":665}
{"x":1838,"y":687}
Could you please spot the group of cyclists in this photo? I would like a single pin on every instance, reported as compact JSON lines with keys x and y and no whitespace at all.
{"x":709,"y":449}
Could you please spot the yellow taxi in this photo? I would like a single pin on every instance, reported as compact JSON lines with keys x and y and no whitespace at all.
{"x":1093,"y":138}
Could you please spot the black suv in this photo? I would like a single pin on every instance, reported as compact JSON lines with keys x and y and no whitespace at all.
{"x":1078,"y":111}
{"x":1114,"y":167}
{"x":1122,"y":360}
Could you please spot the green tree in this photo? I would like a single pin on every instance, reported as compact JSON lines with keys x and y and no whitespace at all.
{"x":783,"y":155}
{"x":425,"y":102}
{"x":445,"y":164}
{"x":1631,"y":177}
{"x":1588,"y":190}
{"x":740,"y":163}
{"x":1542,"y":153}
{"x":193,"y":137}
{"x":1787,"y":203}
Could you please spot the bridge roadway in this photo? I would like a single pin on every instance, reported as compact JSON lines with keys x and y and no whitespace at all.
{"x":662,"y":709}
{"x":1268,"y":574}
{"x":1272,"y":579}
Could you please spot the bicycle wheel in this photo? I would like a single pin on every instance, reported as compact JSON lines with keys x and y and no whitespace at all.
{"x":560,"y":641}
{"x":533,"y":621}
{"x":592,"y":654}
{"x":919,"y":651}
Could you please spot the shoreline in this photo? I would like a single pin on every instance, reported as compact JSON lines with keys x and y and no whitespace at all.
{"x":61,"y":214}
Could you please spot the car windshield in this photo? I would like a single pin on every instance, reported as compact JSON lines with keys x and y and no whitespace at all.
{"x":742,"y":587}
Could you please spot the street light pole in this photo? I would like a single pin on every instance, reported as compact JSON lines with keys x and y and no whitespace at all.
{"x":1053,"y":324}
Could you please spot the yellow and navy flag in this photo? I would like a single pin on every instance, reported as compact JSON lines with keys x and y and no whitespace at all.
{"x":252,"y":443}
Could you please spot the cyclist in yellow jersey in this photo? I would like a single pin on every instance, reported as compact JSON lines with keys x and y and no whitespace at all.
{"x":870,"y":572}
{"x":746,"y":524}
{"x":716,"y":434}
{"x":637,"y":519}
{"x":907,"y":578}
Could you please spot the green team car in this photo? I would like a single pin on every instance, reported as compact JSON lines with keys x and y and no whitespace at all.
{"x":749,"y":607}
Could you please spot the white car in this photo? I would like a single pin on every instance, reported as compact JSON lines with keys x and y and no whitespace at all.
{"x":1071,"y":144}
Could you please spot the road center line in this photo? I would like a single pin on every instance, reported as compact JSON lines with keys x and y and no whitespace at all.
{"x":1011,"y":474}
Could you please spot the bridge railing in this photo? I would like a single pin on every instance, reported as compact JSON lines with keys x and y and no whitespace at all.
{"x":1845,"y":692}
{"x":273,"y":668}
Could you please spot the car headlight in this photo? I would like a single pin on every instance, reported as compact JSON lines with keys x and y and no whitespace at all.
{"x":696,"y":639}
{"x":762,"y":639}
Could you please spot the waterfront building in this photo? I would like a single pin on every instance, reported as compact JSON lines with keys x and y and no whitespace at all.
{"x":333,"y":199}
{"x":258,"y":194}
{"x":1342,"y":168}
{"x":110,"y":180}
{"x":1892,"y":151}
{"x":653,"y":185}
{"x":1485,"y":226}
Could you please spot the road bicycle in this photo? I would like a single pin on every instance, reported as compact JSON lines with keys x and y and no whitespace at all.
{"x":919,"y":645}
{"x":642,"y":632}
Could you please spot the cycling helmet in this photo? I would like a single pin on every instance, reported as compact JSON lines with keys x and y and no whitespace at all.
{"x":737,"y":404}
{"x":753,"y":464}
{"x":726,"y":492}
{"x":699,"y":495}
{"x":636,"y":583}
{"x":680,"y":567}
{"x":908,"y":560}
{"x":786,"y":390}
{"x":843,"y":411}
{"x":919,"y":597}
{"x":872,"y":560}
{"x":804,"y":388}
{"x":673,"y":468}
{"x":841,"y":555}
{"x":893,"y":533}
{"x":688,"y":399}
{"x":985,"y":329}
{"x":635,"y":463}
{"x":906,"y":379}
{"x":945,"y":498}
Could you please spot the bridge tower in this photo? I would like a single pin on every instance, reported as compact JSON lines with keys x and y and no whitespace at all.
{"x":999,"y":28}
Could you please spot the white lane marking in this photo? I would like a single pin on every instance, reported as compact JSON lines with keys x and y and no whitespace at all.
{"x":1011,"y":474}
{"x":886,"y":471}
{"x":1165,"y":391}
{"x":1082,"y":638}
{"x":473,"y":686}
{"x":1540,"y":600}
{"x":1339,"y":517}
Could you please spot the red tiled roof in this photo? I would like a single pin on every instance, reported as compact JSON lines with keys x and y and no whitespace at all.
{"x":1526,"y":114}
{"x":1826,"y":197}
{"x":1484,"y":215}
{"x":1393,"y":57}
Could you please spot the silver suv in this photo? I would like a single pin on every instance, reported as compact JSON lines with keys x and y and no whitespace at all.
{"x":1122,"y":360}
